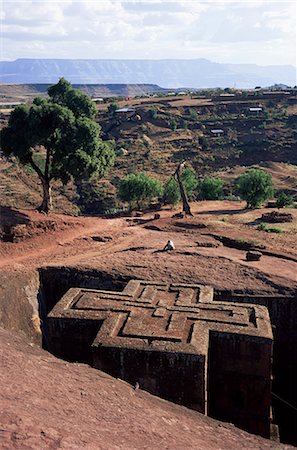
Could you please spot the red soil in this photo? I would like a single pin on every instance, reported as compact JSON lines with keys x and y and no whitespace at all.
{"x":47,"y":403}
{"x":135,"y":250}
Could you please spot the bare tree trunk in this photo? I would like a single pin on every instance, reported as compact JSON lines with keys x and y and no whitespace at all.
{"x":186,"y":206}
{"x":46,"y":204}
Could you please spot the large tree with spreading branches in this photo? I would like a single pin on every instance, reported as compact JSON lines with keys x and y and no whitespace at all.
{"x":63,"y":130}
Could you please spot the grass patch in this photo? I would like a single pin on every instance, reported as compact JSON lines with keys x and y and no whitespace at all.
{"x":247,"y":241}
{"x":264,"y":227}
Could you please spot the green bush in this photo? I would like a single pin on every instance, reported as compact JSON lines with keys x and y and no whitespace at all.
{"x":193,"y":114}
{"x":112,"y":108}
{"x":172,"y":124}
{"x":95,"y":197}
{"x":153,"y":113}
{"x":184,"y":124}
{"x":211,"y":189}
{"x":171,"y":194}
{"x":189,"y":180}
{"x":284,"y":200}
{"x":254,"y":186}
{"x":138,"y":189}
{"x":263,"y":227}
{"x":202,"y":140}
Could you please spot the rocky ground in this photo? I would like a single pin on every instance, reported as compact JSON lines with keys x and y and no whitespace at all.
{"x":133,"y":246}
{"x":48,"y":403}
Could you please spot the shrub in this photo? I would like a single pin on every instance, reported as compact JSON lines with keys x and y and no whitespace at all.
{"x":268,"y":229}
{"x":189,"y":180}
{"x":171,"y":194}
{"x":284,"y":200}
{"x":112,"y":108}
{"x":193,"y":114}
{"x":153,"y":113}
{"x":173,"y":124}
{"x":138,"y":189}
{"x":95,"y":197}
{"x":184,"y":124}
{"x":211,"y":189}
{"x":254,"y":186}
{"x":202,"y":140}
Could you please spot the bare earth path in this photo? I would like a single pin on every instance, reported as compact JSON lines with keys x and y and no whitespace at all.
{"x":128,"y":247}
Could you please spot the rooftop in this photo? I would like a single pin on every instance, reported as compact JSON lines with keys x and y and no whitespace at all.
{"x":124,"y":110}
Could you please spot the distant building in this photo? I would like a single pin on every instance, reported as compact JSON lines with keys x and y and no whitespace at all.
{"x":98,"y":100}
{"x":217,"y":132}
{"x":126,"y":114}
{"x":8,"y":105}
{"x":125,"y":110}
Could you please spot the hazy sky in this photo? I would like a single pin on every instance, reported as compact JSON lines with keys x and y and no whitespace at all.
{"x":262,"y":32}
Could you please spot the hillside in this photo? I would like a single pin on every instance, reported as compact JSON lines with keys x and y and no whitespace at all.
{"x":171,"y":73}
{"x":21,"y":92}
{"x":166,"y":130}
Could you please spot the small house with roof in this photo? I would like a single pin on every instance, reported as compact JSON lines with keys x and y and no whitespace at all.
{"x":217,"y":132}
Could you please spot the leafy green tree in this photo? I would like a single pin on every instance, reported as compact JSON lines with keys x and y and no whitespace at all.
{"x":202,"y":140}
{"x":193,"y":114}
{"x":95,"y":196}
{"x":112,"y":108}
{"x":254,"y":186}
{"x":173,"y":124}
{"x":284,"y":200}
{"x":189,"y":180}
{"x":184,"y":124}
{"x":139,"y":188}
{"x":153,"y":113}
{"x":171,"y":194}
{"x":64,"y":128}
{"x":211,"y":188}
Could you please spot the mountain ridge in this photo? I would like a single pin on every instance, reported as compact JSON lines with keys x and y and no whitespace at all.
{"x":169,"y":73}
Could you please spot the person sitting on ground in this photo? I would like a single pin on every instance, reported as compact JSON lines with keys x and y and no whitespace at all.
{"x":169,"y":246}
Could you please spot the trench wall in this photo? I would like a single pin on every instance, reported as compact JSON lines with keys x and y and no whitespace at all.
{"x":283,"y":316}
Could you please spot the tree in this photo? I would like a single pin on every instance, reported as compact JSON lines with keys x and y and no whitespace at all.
{"x":171,"y":194}
{"x":112,"y":108}
{"x":153,"y":113}
{"x":202,"y":140}
{"x":64,"y":130}
{"x":183,"y":194}
{"x":284,"y":200}
{"x":189,"y":180}
{"x":173,"y":124}
{"x":254,"y":186}
{"x":139,"y":188}
{"x":211,"y":188}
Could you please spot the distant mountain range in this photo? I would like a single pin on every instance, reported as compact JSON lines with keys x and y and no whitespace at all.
{"x":171,"y":73}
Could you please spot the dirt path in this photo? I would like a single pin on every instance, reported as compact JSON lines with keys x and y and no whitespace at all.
{"x":126,"y":247}
{"x":48,"y":247}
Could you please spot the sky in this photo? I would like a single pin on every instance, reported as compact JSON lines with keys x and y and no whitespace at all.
{"x":258,"y":32}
